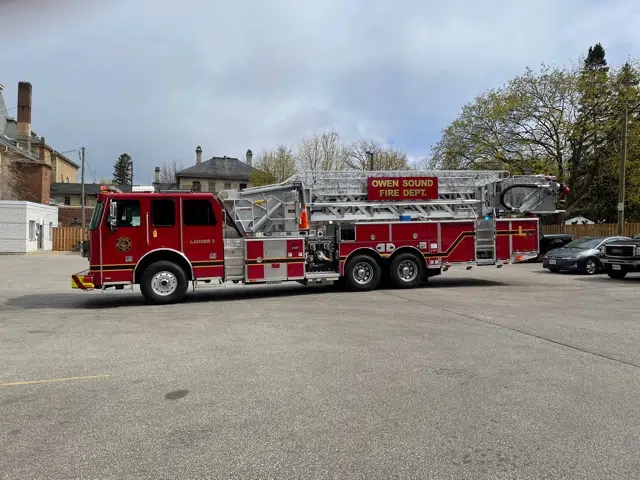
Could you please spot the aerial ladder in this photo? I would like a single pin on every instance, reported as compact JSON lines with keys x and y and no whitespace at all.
{"x":328,"y":196}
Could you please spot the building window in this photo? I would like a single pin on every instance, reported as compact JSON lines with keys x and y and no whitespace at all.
{"x":32,"y":230}
{"x":227,"y":186}
{"x":128,"y":213}
{"x":67,"y":200}
{"x":243,"y":186}
{"x":163,"y":213}
{"x":198,"y":213}
{"x":196,"y":187}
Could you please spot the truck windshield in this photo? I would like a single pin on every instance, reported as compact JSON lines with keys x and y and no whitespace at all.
{"x":97,"y":215}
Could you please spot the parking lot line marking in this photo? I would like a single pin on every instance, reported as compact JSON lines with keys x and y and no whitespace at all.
{"x":31,"y":382}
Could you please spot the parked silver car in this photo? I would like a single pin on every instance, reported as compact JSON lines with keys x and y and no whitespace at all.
{"x":581,"y":255}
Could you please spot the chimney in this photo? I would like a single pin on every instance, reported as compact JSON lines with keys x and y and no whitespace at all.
{"x":198,"y":155}
{"x":249,"y":157}
{"x":157,"y":175}
{"x":24,"y":116}
{"x":41,"y":155}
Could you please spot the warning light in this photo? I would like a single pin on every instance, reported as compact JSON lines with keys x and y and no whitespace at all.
{"x":487,"y":217}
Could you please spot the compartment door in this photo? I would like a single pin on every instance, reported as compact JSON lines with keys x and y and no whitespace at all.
{"x":295,"y":259}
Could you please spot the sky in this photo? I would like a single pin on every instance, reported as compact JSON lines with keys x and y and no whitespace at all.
{"x":156,"y":78}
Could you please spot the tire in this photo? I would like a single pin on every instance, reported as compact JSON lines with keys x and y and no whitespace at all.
{"x":362,"y":273}
{"x":554,"y":270}
{"x":406,"y":271}
{"x":616,"y":273}
{"x":591,"y":266}
{"x":153,"y":287}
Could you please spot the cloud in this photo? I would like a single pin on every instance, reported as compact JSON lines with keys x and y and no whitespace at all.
{"x":156,"y":78}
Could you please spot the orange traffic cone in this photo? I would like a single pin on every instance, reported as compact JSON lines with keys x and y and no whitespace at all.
{"x":304,"y":218}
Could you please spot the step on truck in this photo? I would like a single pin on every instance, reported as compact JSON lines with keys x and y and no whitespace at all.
{"x":356,"y":228}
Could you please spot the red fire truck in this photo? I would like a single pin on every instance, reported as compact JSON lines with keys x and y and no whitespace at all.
{"x":352,"y":227}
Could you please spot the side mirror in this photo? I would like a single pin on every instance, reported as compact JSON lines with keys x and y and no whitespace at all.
{"x":113,"y":215}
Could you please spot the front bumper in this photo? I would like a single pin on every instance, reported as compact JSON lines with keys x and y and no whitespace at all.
{"x":561,"y":263}
{"x":518,"y":257}
{"x":629,"y":262}
{"x":82,"y":280}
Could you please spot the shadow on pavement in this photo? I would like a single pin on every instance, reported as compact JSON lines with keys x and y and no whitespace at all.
{"x":114,"y":299}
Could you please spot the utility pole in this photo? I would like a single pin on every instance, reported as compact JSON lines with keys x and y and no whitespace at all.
{"x":132,"y":175}
{"x":370,"y":155}
{"x":82,"y":188}
{"x":623,"y":162}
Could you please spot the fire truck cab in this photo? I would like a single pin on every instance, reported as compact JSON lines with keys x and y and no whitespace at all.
{"x":316,"y":227}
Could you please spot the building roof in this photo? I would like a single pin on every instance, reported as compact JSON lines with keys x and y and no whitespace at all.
{"x":219,"y":167}
{"x":165,"y":186}
{"x":65,"y":189}
{"x":10,"y":130}
{"x":11,"y":144}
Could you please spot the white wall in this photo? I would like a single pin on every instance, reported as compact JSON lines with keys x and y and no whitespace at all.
{"x":17,"y":234}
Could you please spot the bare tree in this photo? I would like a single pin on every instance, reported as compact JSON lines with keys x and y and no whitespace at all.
{"x":273,"y":166}
{"x":11,"y":178}
{"x":168,"y":171}
{"x":384,"y":157}
{"x":322,"y":152}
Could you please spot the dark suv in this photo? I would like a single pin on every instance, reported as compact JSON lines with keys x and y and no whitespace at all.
{"x":621,"y":257}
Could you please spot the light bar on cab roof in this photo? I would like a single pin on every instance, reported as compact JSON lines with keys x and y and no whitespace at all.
{"x":110,"y":188}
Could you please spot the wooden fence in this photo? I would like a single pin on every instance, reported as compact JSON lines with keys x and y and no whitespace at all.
{"x":66,"y":239}
{"x":596,"y":230}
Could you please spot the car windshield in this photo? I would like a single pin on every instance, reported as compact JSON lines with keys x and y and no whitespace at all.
{"x":585,"y":243}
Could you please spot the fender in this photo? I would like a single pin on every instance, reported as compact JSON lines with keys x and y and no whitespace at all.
{"x":162,"y":250}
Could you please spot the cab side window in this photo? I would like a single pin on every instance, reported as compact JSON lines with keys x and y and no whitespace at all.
{"x":198,"y":213}
{"x":128,"y":213}
{"x":163,"y":212}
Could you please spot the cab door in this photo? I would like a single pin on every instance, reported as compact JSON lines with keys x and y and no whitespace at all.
{"x":164,"y":227}
{"x":122,"y":245}
{"x":202,"y":240}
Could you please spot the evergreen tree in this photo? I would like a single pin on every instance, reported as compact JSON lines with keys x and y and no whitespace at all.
{"x":122,"y":170}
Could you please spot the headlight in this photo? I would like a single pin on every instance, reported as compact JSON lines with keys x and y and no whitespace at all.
{"x":637,"y":251}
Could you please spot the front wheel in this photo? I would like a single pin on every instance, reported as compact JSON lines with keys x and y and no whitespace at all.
{"x":164,"y":282}
{"x":362,"y":273}
{"x":407,"y":271}
{"x":591,"y":266}
{"x":616,"y":273}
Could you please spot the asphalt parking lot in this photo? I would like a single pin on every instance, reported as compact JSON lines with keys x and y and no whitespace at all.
{"x":513,"y":373}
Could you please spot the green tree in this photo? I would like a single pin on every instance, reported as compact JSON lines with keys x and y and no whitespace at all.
{"x":562,"y":121}
{"x":273,"y":166}
{"x":122,"y":170}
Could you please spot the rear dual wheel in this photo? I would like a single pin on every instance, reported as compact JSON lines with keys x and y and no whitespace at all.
{"x":407,"y":270}
{"x":363,"y":272}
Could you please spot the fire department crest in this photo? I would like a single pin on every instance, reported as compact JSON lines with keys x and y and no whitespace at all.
{"x":123,"y":244}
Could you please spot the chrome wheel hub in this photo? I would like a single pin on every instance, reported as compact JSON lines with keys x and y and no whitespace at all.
{"x":362,"y":273}
{"x":407,"y":271}
{"x":591,"y":266}
{"x":164,"y":283}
